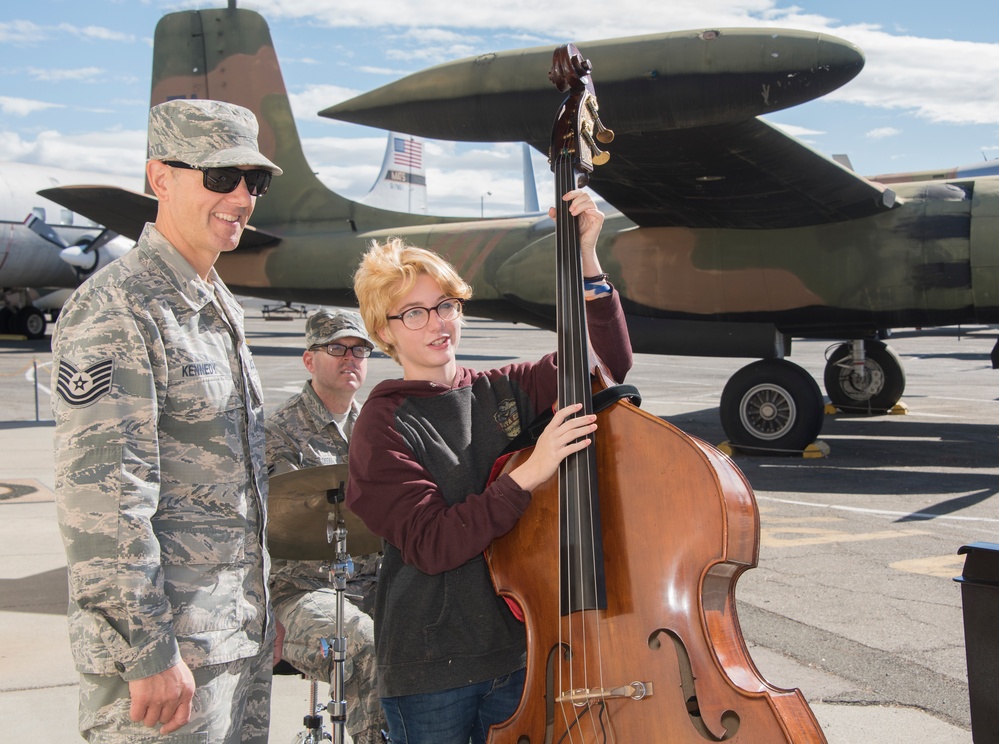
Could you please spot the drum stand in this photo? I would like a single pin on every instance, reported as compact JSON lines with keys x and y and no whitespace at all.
{"x":341,"y":569}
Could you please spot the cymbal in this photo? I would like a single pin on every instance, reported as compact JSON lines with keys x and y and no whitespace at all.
{"x":298,"y":509}
{"x":308,"y":480}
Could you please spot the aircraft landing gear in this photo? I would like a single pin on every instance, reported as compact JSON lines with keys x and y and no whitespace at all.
{"x":30,"y":321}
{"x":772,"y":406}
{"x":864,"y":377}
{"x":19,"y":316}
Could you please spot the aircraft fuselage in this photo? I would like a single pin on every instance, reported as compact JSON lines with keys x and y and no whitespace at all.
{"x":933,"y":260}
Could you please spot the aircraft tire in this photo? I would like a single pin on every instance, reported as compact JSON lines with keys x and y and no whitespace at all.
{"x":886,"y":379}
{"x":30,"y":321}
{"x":772,"y":406}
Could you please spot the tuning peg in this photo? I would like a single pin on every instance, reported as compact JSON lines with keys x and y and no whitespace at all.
{"x":597,"y":156}
{"x":604,"y":134}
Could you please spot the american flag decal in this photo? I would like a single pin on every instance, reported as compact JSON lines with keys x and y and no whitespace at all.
{"x":407,"y":153}
{"x":82,"y":387}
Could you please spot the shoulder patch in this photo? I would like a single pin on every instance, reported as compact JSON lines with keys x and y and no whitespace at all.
{"x":81,"y":387}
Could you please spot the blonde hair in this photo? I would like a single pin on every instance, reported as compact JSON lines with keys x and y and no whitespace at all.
{"x":388,"y":271}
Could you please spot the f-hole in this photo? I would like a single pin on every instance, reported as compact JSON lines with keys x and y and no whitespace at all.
{"x":729,"y":719}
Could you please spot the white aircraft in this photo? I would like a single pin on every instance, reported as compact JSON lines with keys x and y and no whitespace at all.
{"x":46,"y":250}
{"x":401,"y":185}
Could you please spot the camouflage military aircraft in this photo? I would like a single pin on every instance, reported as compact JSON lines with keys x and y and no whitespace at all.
{"x":724,"y":236}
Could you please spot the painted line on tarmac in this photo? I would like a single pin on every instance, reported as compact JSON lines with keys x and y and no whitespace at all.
{"x":29,"y":375}
{"x":940,"y":566}
{"x":884,"y":512}
{"x":777,"y":537}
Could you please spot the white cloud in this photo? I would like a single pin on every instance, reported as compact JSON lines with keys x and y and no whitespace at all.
{"x":438,"y":36}
{"x":386,"y":71}
{"x":432,"y":55}
{"x":307,"y":104}
{"x":22,"y":32}
{"x":24,"y":106}
{"x":348,"y":166}
{"x":28,"y":32}
{"x":882,"y":133}
{"x":13,"y":147}
{"x":96,"y":33}
{"x":925,"y":77}
{"x":588,"y":19}
{"x":77,"y":74}
{"x":121,"y":153}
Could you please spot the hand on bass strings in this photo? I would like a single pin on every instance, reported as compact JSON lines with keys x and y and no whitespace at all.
{"x":591,"y":220}
{"x":563,"y":435}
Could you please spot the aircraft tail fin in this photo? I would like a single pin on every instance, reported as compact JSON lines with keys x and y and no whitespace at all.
{"x":530,"y":187}
{"x":843,"y":160}
{"x":401,"y":185}
{"x":228,"y":55}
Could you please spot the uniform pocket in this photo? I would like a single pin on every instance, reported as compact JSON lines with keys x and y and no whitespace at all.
{"x":205,"y":599}
{"x":202,"y":431}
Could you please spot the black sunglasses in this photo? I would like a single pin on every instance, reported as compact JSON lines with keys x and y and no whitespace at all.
{"x":225,"y":180}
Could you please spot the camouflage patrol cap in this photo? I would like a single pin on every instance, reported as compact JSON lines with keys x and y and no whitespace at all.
{"x":326,"y":326}
{"x":205,"y":134}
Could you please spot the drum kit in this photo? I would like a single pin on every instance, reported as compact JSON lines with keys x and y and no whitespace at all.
{"x":307,"y":520}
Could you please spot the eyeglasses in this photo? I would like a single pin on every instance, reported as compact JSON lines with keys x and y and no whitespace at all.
{"x":416,"y":318}
{"x":338,"y":350}
{"x":225,"y":180}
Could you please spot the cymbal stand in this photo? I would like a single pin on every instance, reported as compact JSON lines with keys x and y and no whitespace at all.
{"x":314,"y":732}
{"x":342,"y":570}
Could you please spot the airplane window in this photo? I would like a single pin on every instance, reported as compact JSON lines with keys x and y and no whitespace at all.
{"x":39,"y":212}
{"x":67,"y":216}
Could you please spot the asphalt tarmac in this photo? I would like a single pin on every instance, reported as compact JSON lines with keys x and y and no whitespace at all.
{"x":853,"y":600}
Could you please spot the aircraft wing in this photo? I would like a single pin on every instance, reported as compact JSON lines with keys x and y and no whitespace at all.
{"x":690,"y":149}
{"x":127,"y":212}
{"x":743,"y":175}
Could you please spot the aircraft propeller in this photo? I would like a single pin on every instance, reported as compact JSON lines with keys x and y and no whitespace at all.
{"x":83,"y":255}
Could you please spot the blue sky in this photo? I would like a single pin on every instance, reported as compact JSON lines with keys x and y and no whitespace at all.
{"x":74,"y":78}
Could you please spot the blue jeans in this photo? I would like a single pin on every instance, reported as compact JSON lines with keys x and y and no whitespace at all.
{"x":454,"y":716}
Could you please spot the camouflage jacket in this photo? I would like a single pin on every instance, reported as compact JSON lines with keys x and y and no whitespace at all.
{"x":160,"y":477}
{"x":301,"y":433}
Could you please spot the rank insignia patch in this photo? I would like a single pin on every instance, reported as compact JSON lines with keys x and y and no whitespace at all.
{"x":81,"y":387}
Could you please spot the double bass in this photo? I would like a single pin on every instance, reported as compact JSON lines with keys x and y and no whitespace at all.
{"x":647,"y":531}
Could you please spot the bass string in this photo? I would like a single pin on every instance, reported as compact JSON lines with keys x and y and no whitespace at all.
{"x":577,"y":472}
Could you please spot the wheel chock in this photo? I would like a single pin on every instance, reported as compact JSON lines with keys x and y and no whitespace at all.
{"x":816,"y":450}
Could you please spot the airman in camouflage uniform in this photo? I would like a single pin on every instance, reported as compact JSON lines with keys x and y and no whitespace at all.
{"x":159,"y":449}
{"x":309,"y":430}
